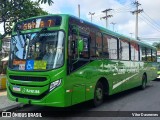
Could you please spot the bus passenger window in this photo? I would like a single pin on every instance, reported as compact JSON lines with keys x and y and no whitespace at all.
{"x":143,"y":54}
{"x":72,"y":47}
{"x":105,"y":47}
{"x":85,"y":52}
{"x":134,"y":51}
{"x":92,"y":44}
{"x":124,"y":50}
{"x":112,"y":47}
{"x":98,"y":44}
{"x":154,"y":56}
{"x":149,"y":55}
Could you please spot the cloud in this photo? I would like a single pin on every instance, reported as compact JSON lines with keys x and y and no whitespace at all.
{"x":119,"y":12}
{"x":125,"y":21}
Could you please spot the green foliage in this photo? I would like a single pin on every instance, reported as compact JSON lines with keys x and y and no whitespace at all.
{"x":157,"y":45}
{"x":0,"y":42}
{"x":12,"y":11}
{"x":50,"y":2}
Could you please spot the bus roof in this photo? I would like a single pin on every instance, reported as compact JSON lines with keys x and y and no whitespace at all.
{"x":107,"y":31}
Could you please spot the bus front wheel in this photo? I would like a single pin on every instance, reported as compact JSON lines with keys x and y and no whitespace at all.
{"x":98,"y":94}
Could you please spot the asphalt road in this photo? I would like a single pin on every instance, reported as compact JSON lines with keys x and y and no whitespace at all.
{"x":122,"y":104}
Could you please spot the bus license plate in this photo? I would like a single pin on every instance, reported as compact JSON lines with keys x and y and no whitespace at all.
{"x":16,"y":88}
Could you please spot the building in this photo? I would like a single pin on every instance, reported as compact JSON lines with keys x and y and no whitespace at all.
{"x":5,"y":47}
{"x":158,"y":56}
{"x":4,"y":54}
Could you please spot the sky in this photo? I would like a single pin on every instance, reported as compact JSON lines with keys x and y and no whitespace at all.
{"x":149,"y":19}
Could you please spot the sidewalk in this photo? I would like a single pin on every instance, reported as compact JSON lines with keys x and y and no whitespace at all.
{"x":4,"y":101}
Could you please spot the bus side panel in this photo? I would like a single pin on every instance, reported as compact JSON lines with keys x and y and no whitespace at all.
{"x":90,"y":91}
{"x":134,"y":78}
{"x":148,"y":67}
{"x":83,"y":80}
{"x":151,"y":70}
{"x":78,"y":94}
{"x":110,"y":71}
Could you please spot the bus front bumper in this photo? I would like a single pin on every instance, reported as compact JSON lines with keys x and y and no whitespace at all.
{"x":55,"y":98}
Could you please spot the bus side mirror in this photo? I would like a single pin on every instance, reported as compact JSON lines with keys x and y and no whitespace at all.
{"x":80,"y":45}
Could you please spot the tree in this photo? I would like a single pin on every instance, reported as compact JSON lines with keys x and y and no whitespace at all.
{"x":50,"y":2}
{"x":12,"y":11}
{"x":0,"y":43}
{"x":157,"y":45}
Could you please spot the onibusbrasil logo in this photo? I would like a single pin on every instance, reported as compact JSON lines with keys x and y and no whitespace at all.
{"x":14,"y":114}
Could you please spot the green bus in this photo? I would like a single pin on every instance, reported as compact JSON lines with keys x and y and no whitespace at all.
{"x":60,"y":60}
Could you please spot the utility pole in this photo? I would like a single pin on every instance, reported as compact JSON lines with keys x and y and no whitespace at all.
{"x":137,"y":11}
{"x":113,"y":25}
{"x":91,"y":15}
{"x":79,"y":11}
{"x":107,"y":16}
{"x":131,"y":34}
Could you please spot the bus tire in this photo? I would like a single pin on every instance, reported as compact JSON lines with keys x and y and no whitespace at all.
{"x":144,"y":82}
{"x":98,"y":94}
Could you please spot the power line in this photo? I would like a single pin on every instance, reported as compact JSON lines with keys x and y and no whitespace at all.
{"x":120,"y":10}
{"x":151,"y":19}
{"x":106,"y":16}
{"x":117,"y":12}
{"x":158,"y":27}
{"x":150,"y":37}
{"x":149,"y":23}
{"x":79,"y":11}
{"x":137,"y":11}
{"x":131,"y":34}
{"x":91,"y":15}
{"x":113,"y":25}
{"x":124,"y":7}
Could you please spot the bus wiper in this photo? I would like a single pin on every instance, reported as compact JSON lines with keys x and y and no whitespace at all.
{"x":18,"y":33}
{"x":37,"y":36}
{"x":27,"y":39}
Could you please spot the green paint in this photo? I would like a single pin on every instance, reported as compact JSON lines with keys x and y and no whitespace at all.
{"x":79,"y":85}
{"x":80,"y":45}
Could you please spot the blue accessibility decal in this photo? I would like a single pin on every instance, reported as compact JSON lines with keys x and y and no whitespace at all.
{"x":30,"y":65}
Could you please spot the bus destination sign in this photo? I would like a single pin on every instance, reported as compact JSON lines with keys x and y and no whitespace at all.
{"x":39,"y":23}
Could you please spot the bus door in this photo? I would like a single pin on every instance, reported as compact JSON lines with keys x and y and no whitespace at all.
{"x":77,"y":59}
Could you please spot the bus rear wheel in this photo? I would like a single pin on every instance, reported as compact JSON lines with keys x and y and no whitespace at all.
{"x":144,"y":82}
{"x":98,"y":95}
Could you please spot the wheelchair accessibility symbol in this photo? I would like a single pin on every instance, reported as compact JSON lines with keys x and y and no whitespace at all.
{"x":29,"y":64}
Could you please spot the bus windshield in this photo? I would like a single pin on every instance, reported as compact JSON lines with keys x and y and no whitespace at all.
{"x":37,"y":51}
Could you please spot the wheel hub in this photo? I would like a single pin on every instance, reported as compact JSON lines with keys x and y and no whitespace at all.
{"x":99,"y":93}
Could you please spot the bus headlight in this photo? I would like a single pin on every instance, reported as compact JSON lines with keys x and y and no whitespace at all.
{"x":55,"y":84}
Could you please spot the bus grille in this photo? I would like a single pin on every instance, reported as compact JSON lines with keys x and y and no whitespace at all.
{"x":27,"y":78}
